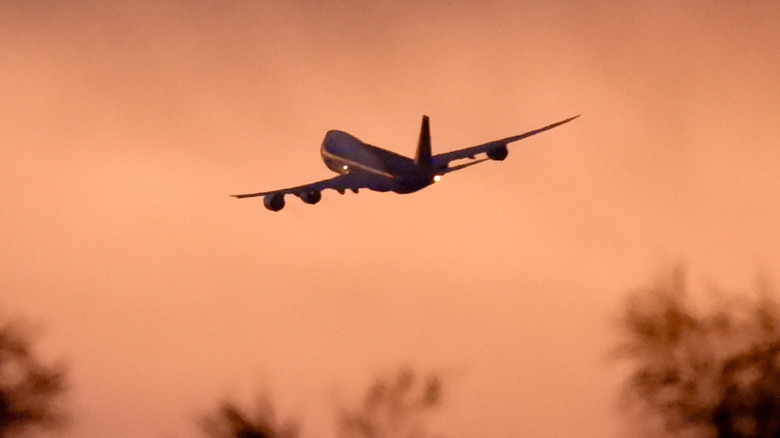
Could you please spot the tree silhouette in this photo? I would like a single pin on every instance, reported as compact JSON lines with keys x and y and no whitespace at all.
{"x":230,"y":421}
{"x":29,"y":390}
{"x":393,"y":407}
{"x":713,"y":373}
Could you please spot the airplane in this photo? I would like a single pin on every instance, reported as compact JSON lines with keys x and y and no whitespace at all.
{"x":361,"y":165}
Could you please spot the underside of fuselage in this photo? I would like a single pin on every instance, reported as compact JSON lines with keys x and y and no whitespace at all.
{"x":379,"y":169}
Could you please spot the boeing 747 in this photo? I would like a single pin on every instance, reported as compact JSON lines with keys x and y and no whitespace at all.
{"x":361,"y":165}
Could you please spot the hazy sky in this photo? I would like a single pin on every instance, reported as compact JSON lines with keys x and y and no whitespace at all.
{"x":124,"y":125}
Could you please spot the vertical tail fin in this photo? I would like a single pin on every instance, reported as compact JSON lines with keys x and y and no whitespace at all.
{"x":423,"y":155}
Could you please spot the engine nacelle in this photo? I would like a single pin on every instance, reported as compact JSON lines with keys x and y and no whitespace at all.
{"x":274,"y":201}
{"x":312,"y":197}
{"x":498,"y":153}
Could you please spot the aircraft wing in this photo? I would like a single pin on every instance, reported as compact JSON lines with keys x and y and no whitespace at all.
{"x":442,"y":160}
{"x":339,"y":183}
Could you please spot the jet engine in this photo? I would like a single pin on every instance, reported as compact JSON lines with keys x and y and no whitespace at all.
{"x":498,"y":153}
{"x":312,"y":197}
{"x":274,"y":201}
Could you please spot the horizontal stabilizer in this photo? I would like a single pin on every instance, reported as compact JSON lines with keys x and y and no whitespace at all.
{"x":465,"y":165}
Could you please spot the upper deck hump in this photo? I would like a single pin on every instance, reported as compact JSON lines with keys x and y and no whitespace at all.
{"x":345,"y":147}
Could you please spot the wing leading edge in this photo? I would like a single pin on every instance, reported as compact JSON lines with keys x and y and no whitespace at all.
{"x":442,"y":160}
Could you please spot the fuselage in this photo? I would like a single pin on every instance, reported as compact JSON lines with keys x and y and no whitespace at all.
{"x":381,"y":170}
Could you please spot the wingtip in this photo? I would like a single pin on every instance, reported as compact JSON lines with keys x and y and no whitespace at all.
{"x":566,"y":120}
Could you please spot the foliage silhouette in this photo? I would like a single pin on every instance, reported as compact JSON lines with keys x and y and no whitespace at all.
{"x":396,"y":407}
{"x":230,"y":421}
{"x":29,"y":390}
{"x":392,"y":407}
{"x":713,"y":373}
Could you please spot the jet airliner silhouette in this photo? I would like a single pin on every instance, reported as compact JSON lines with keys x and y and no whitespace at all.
{"x":361,"y":165}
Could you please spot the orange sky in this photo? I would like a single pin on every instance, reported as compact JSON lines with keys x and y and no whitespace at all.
{"x":124,"y":125}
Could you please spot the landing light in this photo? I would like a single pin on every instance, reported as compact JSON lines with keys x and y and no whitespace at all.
{"x":345,"y":167}
{"x":437,"y":178}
